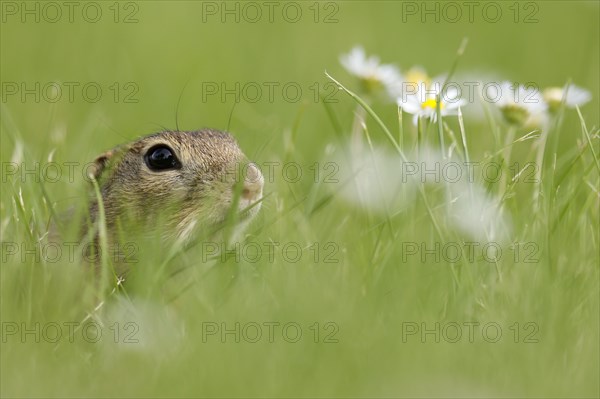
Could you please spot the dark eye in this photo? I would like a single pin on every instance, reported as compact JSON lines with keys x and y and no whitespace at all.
{"x":161,"y":157}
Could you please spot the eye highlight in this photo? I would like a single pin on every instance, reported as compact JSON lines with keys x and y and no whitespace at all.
{"x":161,"y":157}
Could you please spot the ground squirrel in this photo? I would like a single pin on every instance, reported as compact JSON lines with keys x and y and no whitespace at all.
{"x":187,"y":180}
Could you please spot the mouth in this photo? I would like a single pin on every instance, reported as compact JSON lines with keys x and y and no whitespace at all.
{"x":249,"y":209}
{"x":246,"y":211}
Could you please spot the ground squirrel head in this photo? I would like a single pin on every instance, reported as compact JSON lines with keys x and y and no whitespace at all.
{"x":186,"y":179}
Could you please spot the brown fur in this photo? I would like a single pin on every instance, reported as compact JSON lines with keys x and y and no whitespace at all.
{"x":195,"y":196}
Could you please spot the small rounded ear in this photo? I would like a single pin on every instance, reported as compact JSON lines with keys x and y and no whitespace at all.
{"x":100,"y":164}
{"x":104,"y":161}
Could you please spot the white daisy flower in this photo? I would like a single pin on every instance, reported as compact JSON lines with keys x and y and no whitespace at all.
{"x":372,"y":74}
{"x":575,"y":96}
{"x":518,"y":104}
{"x":422,"y":102}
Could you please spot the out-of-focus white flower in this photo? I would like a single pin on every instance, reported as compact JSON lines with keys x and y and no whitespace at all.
{"x":378,"y":180}
{"x":518,"y":104}
{"x":371,"y":179}
{"x":154,"y":328}
{"x":372,"y":74}
{"x":574,"y":96}
{"x":478,"y":214}
{"x":423,"y":101}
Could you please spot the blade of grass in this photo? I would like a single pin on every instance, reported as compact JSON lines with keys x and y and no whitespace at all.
{"x":102,"y":237}
{"x":377,"y":173}
{"x":402,"y":156}
{"x":587,"y":135}
{"x":373,"y":115}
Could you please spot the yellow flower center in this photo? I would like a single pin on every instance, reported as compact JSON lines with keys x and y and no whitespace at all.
{"x":431,"y":103}
{"x":515,"y":114}
{"x":553,"y":97}
{"x":417,"y":76}
{"x":371,"y":84}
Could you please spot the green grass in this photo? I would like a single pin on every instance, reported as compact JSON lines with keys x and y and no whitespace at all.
{"x":375,"y":291}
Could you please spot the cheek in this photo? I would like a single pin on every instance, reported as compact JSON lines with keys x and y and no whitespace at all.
{"x":162,"y":188}
{"x":219,"y":192}
{"x":227,"y":195}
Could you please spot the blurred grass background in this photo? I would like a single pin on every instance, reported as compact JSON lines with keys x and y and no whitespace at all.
{"x":168,"y":54}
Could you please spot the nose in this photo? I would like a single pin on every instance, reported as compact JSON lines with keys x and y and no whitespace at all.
{"x":253,"y":183}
